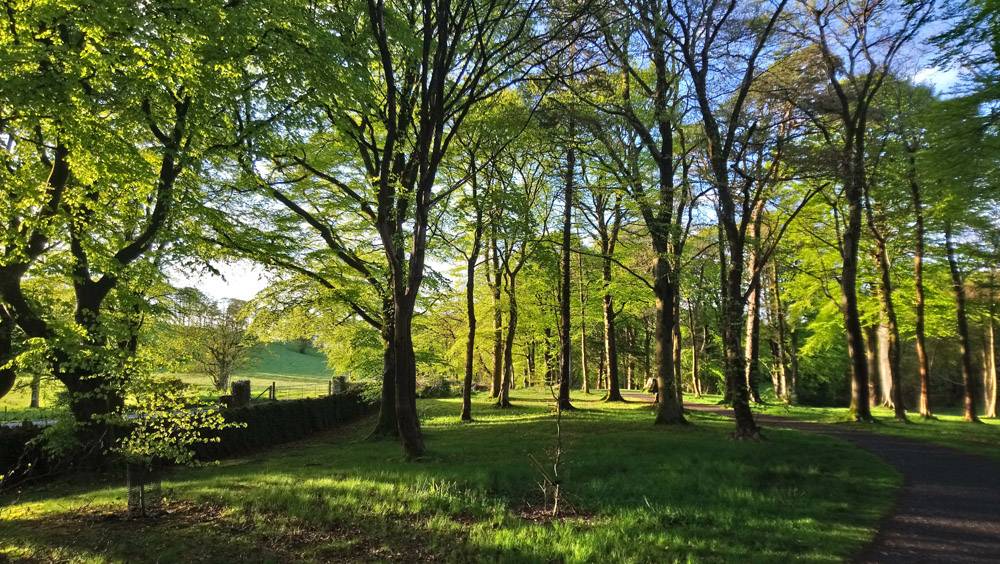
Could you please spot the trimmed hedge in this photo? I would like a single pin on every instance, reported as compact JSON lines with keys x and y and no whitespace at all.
{"x":266,"y":424}
{"x":277,"y":422}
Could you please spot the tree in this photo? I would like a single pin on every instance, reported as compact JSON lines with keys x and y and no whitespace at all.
{"x":102,"y":141}
{"x":857,"y":42}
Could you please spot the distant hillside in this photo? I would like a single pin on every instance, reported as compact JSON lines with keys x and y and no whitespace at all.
{"x":285,"y":359}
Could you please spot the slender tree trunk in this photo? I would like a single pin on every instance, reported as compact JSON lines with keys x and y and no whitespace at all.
{"x":503,"y":400}
{"x":752,"y":350}
{"x":727,"y":392}
{"x":36,"y":389}
{"x":497,"y":321}
{"x":779,"y":317}
{"x":872,"y":356}
{"x":889,"y":330}
{"x":991,"y":375}
{"x":611,"y":351}
{"x":677,"y":345}
{"x":884,"y":397}
{"x":695,"y":381}
{"x":583,"y":330}
{"x":918,"y":281}
{"x":565,"y":357}
{"x":470,"y":303}
{"x":968,"y":382}
{"x":793,"y":362}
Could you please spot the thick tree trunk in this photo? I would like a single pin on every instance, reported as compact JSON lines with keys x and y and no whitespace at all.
{"x":387,"y":424}
{"x":854,"y":179}
{"x":968,"y":382}
{"x":406,"y":380}
{"x":7,"y":375}
{"x":668,"y":411}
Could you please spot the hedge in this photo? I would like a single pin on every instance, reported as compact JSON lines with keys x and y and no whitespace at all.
{"x":277,"y":422}
{"x":264,"y":424}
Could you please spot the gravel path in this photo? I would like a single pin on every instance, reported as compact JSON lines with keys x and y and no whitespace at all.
{"x":948,"y":510}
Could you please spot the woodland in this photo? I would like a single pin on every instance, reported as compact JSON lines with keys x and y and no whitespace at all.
{"x":520,"y":200}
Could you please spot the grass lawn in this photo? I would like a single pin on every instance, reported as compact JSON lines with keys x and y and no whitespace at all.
{"x":296,"y":375}
{"x":634,"y":493}
{"x":946,"y":428}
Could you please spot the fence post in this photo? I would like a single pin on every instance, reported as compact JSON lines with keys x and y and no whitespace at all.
{"x":329,"y":389}
{"x":274,"y":391}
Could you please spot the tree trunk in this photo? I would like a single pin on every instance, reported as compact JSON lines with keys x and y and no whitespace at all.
{"x":470,"y":306}
{"x":611,"y":351}
{"x":752,"y":350}
{"x":854,"y":179}
{"x":884,"y":397}
{"x":503,"y":399}
{"x":888,"y":328}
{"x":406,"y":379}
{"x":918,"y":281}
{"x":991,"y":375}
{"x":695,"y":381}
{"x":968,"y":382}
{"x":497,"y":322}
{"x":387,"y":424}
{"x":871,"y":357}
{"x":7,"y":375}
{"x":676,"y":341}
{"x":36,"y":389}
{"x":583,"y":329}
{"x":668,"y":411}
{"x":779,"y":317}
{"x":565,"y":355}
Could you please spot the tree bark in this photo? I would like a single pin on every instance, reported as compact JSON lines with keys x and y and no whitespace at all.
{"x":968,"y":382}
{"x":583,"y":329}
{"x":387,"y":425}
{"x":752,"y":340}
{"x":991,"y":375}
{"x":871,"y":357}
{"x":677,"y":346}
{"x":565,"y":356}
{"x":7,"y":374}
{"x":470,"y":302}
{"x":503,"y":399}
{"x":497,"y":318}
{"x":918,"y":281}
{"x":853,"y":175}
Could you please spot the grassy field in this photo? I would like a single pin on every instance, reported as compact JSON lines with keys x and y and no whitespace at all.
{"x":946,"y":428}
{"x":632,"y":493}
{"x":295,"y":375}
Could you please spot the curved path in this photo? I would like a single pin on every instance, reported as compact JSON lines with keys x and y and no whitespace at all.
{"x":948,"y":510}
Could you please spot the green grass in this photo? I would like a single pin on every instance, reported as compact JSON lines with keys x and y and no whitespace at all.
{"x":636,"y":493}
{"x":946,"y":428}
{"x":296,"y":375}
